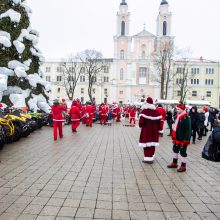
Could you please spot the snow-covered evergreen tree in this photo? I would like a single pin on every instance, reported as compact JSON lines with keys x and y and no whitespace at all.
{"x":20,"y":59}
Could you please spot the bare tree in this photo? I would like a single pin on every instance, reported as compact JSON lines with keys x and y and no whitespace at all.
{"x":71,"y":71}
{"x":183,"y":75}
{"x":93,"y":62}
{"x":163,"y":61}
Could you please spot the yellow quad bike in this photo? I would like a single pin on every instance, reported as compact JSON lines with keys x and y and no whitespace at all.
{"x":6,"y":131}
{"x":21,"y":127}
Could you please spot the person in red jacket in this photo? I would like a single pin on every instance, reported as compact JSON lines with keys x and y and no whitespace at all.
{"x":75,"y":116}
{"x":57,"y":110}
{"x":104,"y":114}
{"x":162,"y":112}
{"x":89,"y":114}
{"x":132,"y":114}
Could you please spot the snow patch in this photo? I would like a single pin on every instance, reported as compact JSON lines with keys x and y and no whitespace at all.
{"x":5,"y":41}
{"x":5,"y":34}
{"x":19,"y":46}
{"x":6,"y":71}
{"x":18,"y":100}
{"x":28,"y":62}
{"x":12,"y":14}
{"x":20,"y":72}
{"x":14,"y":64}
{"x":3,"y":82}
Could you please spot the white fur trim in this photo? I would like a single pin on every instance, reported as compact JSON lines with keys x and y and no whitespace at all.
{"x":148,"y":106}
{"x":150,"y":117}
{"x":149,"y":144}
{"x":161,"y":132}
{"x":58,"y":120}
{"x":183,"y":159}
{"x":175,"y":155}
{"x":75,"y":119}
{"x":149,"y":158}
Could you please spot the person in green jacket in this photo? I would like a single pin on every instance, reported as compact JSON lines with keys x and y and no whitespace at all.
{"x":181,"y":135}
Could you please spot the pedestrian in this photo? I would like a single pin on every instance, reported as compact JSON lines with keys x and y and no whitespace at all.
{"x":162,"y":112}
{"x":57,"y":110}
{"x":201,"y":124}
{"x":194,"y":116}
{"x":132,"y":115}
{"x":181,"y":135}
{"x":110,"y":117}
{"x":149,"y":122}
{"x":75,"y":116}
{"x":206,"y":123}
{"x":169,"y":116}
{"x":89,"y":113}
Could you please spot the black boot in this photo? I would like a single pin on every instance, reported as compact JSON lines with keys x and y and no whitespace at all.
{"x":182,"y":168}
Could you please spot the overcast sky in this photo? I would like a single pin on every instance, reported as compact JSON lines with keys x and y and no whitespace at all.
{"x":70,"y":26}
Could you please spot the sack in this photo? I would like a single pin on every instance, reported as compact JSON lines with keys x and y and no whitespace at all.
{"x":211,"y":150}
{"x":216,"y":134}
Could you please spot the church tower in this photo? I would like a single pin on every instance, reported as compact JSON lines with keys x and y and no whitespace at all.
{"x":164,"y":20}
{"x":122,"y":40}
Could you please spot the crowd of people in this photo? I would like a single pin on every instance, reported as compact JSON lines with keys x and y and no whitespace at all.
{"x":184,"y":124}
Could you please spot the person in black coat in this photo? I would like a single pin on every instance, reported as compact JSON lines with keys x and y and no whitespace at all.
{"x":194,"y":115}
{"x":212,"y":116}
{"x":170,"y":121}
{"x":201,"y":124}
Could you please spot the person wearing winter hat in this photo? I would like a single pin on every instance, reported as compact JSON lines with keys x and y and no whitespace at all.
{"x":74,"y":115}
{"x":181,"y":135}
{"x":57,"y":110}
{"x":149,"y":122}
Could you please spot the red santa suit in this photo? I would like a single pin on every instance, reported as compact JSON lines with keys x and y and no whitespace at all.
{"x":149,"y":123}
{"x":118,"y":114}
{"x":58,"y":119}
{"x":83,"y":112}
{"x":89,"y":113}
{"x":75,"y":116}
{"x":104,"y":114}
{"x":132,"y":114}
{"x":162,"y":112}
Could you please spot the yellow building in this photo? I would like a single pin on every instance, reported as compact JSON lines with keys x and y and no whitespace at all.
{"x":202,"y":77}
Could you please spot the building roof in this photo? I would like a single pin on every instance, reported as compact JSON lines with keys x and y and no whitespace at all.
{"x":144,"y":33}
{"x":196,"y":60}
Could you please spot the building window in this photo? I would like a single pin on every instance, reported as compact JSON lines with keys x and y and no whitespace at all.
{"x":142,"y":72}
{"x":82,"y":78}
{"x":106,"y":69}
{"x":82,"y":90}
{"x":59,"y":69}
{"x":143,"y":55}
{"x":82,"y":99}
{"x":121,"y":74}
{"x":48,"y":69}
{"x":194,"y":93}
{"x":122,"y":28}
{"x":82,"y":70}
{"x":209,"y":81}
{"x":178,"y":93}
{"x":208,"y":94}
{"x":59,"y":78}
{"x":179,"y":81}
{"x":121,"y":92}
{"x":48,"y":78}
{"x":106,"y":79}
{"x":105,"y":91}
{"x":164,"y":28}
{"x":58,"y":90}
{"x":122,"y":54}
{"x":197,"y":70}
{"x":209,"y":70}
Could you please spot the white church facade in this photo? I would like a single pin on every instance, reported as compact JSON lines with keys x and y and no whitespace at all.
{"x":131,"y":71}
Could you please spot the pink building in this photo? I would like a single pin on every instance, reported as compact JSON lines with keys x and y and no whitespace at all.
{"x":133,"y":73}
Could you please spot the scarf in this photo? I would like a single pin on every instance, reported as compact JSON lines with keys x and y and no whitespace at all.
{"x":179,"y":117}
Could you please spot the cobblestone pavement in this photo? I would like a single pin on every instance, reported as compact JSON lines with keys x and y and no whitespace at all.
{"x":97,"y":173}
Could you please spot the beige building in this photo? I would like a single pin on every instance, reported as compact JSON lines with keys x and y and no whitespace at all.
{"x":203,"y":80}
{"x":53,"y":72}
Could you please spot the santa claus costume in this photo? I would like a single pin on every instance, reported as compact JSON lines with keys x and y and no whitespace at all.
{"x":89,"y":114}
{"x":57,"y":110}
{"x":181,"y":135}
{"x":162,"y":112}
{"x":149,"y":122}
{"x":74,"y":115}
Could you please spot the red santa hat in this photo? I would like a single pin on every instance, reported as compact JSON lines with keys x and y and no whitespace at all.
{"x":206,"y":109}
{"x":181,"y":106}
{"x":1,"y":105}
{"x":63,"y":100}
{"x":74,"y":102}
{"x":149,"y":100}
